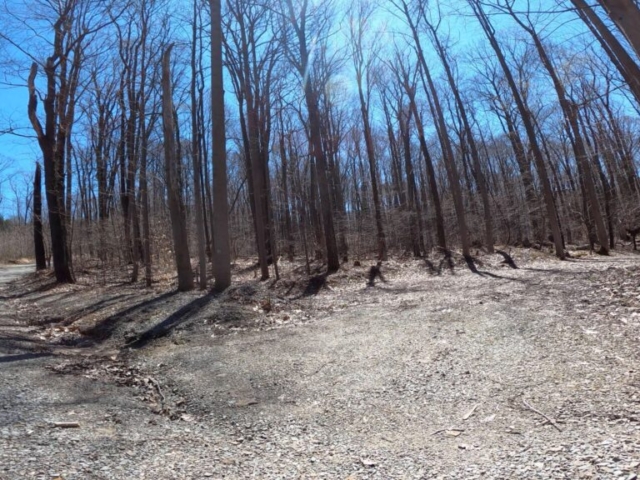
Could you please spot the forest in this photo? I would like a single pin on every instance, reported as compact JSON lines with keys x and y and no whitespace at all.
{"x":296,"y":239}
{"x":318,"y":130}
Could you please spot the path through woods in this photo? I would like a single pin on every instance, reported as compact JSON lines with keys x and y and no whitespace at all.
{"x":528,"y":373}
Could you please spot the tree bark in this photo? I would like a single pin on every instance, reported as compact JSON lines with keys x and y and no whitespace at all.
{"x":570,"y":111}
{"x":176,"y":206}
{"x":626,"y":15}
{"x":38,"y":237}
{"x":53,"y":159}
{"x":220,"y":223}
{"x":197,"y":159}
{"x":529,"y":127}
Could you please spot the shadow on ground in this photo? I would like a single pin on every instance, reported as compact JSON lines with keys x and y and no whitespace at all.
{"x":172,"y":321}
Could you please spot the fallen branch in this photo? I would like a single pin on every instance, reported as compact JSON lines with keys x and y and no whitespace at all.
{"x":535,"y":410}
{"x":65,"y":425}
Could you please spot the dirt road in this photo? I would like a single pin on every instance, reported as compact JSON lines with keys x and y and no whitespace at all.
{"x":515,"y":374}
{"x":8,"y":273}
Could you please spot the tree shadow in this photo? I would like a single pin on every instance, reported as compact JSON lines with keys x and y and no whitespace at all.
{"x":95,"y":307}
{"x":104,"y":329}
{"x":556,"y":271}
{"x":398,"y":289}
{"x":23,"y":356}
{"x":42,"y":288}
{"x":172,"y":321}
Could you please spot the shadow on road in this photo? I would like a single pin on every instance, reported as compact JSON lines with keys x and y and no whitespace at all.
{"x":172,"y":321}
{"x":104,"y":329}
{"x":23,"y":356}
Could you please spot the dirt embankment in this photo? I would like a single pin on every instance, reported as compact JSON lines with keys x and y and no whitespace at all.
{"x":527,"y":373}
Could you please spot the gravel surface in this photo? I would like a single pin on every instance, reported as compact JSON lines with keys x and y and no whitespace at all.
{"x":512,"y":374}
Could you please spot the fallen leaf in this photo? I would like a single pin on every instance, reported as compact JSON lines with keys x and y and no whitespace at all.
{"x":367,"y":462}
{"x":470,"y":412}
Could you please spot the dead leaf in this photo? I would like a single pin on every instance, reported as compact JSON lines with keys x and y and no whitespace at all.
{"x":453,"y":433}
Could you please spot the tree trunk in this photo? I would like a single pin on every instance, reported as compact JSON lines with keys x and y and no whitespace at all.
{"x":529,"y":127}
{"x":626,"y":15}
{"x":625,"y":64}
{"x":570,"y":111}
{"x":222,"y":250}
{"x":197,"y":160}
{"x":475,"y":157}
{"x":38,"y":238}
{"x":53,"y":168}
{"x":176,"y":206}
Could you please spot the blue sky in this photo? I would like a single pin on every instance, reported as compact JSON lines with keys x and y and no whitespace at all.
{"x":20,"y":153}
{"x":17,"y":154}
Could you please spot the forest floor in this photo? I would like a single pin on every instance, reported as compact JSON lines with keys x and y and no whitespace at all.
{"x":505,"y":374}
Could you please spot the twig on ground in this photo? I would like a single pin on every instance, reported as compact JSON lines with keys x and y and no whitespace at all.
{"x":535,"y":410}
{"x":65,"y":424}
{"x":321,"y":367}
{"x":442,"y":430}
{"x":470,"y":412}
{"x":157,"y":385}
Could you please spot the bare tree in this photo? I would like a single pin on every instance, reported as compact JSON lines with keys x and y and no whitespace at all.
{"x":38,"y":238}
{"x":222,"y":251}
{"x":359,"y":21}
{"x":299,"y":18}
{"x":529,"y":127}
{"x":196,"y":154}
{"x":570,"y":111}
{"x":172,"y":178}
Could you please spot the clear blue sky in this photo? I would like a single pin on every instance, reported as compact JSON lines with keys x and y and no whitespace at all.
{"x":20,"y":153}
{"x":17,"y":154}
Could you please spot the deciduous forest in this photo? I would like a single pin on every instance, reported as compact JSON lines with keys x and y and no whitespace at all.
{"x":320,"y":130}
{"x":292,"y":239}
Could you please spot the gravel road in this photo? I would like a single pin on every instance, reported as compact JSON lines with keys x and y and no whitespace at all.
{"x":517,"y":374}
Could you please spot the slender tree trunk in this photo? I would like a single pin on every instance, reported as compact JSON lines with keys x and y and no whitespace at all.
{"x":529,"y":127}
{"x":412,"y":196}
{"x":431,"y":173}
{"x":475,"y":157}
{"x":38,"y":237}
{"x":197,"y":160}
{"x":222,"y":250}
{"x":570,"y":111}
{"x":371,"y":155}
{"x":288,"y":232}
{"x":176,"y":206}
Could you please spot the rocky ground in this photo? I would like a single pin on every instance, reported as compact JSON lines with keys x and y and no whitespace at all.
{"x":506,"y":374}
